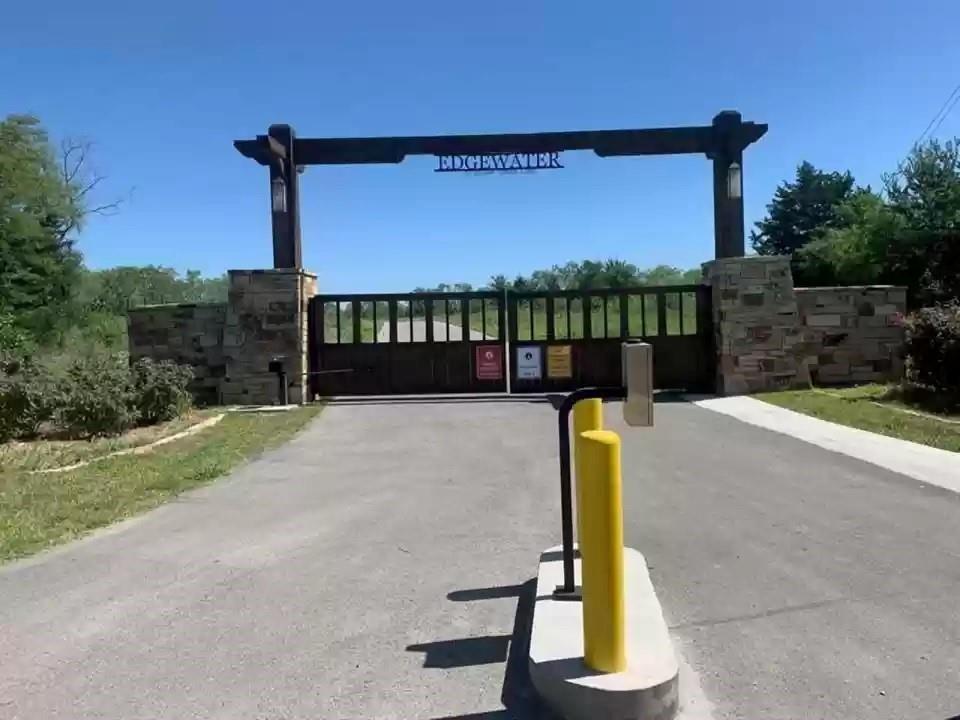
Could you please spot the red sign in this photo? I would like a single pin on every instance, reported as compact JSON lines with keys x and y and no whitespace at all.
{"x":489,"y":362}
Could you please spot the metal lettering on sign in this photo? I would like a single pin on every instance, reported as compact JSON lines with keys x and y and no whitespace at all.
{"x":489,"y":362}
{"x":529,"y":362}
{"x":559,"y":361}
{"x":499,"y":162}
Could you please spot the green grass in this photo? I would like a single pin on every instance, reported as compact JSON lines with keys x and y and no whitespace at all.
{"x":877,"y":408}
{"x":45,"y":453}
{"x":40,"y":510}
{"x":642,"y":319}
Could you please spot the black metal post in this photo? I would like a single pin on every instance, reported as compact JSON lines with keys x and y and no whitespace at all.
{"x":569,"y":589}
{"x":283,"y":389}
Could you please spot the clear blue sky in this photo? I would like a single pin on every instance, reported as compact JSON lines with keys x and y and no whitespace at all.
{"x":164,"y":88}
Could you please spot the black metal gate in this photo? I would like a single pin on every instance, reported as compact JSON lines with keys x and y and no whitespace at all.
{"x":566,"y":339}
{"x":560,"y":340}
{"x":388,"y":344}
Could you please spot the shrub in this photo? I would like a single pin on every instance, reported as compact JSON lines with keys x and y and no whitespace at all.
{"x":933,"y":348}
{"x":27,"y":399}
{"x":98,"y":397}
{"x":15,"y":344}
{"x":160,"y":390}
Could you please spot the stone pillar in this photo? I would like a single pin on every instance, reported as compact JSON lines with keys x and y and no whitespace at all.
{"x":759,"y":339}
{"x":266,"y":319}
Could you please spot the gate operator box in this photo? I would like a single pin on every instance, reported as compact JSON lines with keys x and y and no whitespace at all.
{"x":637,"y":362}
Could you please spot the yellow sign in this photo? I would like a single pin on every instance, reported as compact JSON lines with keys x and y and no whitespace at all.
{"x":559,"y":361}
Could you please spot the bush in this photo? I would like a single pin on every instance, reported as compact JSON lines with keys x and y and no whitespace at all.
{"x":160,"y":390}
{"x":27,"y":399}
{"x":98,"y":397}
{"x":933,"y":348}
{"x":15,"y":344}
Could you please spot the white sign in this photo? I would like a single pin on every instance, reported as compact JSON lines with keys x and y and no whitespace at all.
{"x":529,"y":362}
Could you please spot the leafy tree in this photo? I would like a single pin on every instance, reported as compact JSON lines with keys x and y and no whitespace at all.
{"x":39,"y":207}
{"x":925,"y":193}
{"x":547,"y":279}
{"x":499,"y":282}
{"x":857,"y":251}
{"x":620,"y":273}
{"x":802,"y":210}
{"x":665,"y":275}
{"x":522,"y":284}
{"x":589,"y":276}
{"x":117,"y":289}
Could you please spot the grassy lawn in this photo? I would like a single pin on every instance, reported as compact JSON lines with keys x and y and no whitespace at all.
{"x":877,"y":408}
{"x":39,"y":510}
{"x":642,"y":319}
{"x":46,"y":454}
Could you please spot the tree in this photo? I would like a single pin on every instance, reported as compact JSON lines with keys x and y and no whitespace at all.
{"x":546,"y":279}
{"x":44,"y":198}
{"x":857,"y":251}
{"x":37,"y":211}
{"x":925,"y":193}
{"x":620,"y":273}
{"x":664,"y":275}
{"x":802,"y":210}
{"x":499,"y":282}
{"x":522,"y":284}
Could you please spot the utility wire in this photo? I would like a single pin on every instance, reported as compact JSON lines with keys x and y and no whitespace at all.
{"x":944,"y":116}
{"x":940,"y":114}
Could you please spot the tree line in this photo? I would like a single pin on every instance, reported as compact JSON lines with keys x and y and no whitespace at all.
{"x":583,"y":275}
{"x":839,"y":233}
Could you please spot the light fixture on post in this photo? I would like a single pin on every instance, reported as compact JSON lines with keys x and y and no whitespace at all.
{"x":734,"y":181}
{"x":278,"y":194}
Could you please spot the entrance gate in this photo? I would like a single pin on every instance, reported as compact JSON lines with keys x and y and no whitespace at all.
{"x":384,"y":344}
{"x":407,"y":344}
{"x":562,"y":340}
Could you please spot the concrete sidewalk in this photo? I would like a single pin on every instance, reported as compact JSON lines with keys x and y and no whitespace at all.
{"x":921,"y":462}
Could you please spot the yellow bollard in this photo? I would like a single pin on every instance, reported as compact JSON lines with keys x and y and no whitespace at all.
{"x":587,"y":415}
{"x":602,"y":512}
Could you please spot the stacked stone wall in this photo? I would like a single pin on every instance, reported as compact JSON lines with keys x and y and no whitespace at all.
{"x":190,"y":334}
{"x":756,"y":325}
{"x":857,"y":332}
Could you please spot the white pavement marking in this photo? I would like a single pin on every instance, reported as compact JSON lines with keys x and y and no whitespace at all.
{"x":921,"y":462}
{"x":418,"y":329}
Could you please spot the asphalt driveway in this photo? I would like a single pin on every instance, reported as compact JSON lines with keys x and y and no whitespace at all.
{"x":372,"y":568}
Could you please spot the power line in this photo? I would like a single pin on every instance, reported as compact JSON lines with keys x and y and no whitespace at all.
{"x":938,"y":114}
{"x":944,"y":116}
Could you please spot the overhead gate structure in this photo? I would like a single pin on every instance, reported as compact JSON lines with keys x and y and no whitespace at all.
{"x":386,"y":344}
{"x":547,"y":341}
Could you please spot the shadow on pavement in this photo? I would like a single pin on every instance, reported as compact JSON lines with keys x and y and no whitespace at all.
{"x":556,"y":555}
{"x":488,"y":593}
{"x":463,"y":652}
{"x":519,"y":699}
{"x":436,"y":400}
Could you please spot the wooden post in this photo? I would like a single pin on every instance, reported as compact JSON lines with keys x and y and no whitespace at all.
{"x":728,"y":186}
{"x":285,"y":200}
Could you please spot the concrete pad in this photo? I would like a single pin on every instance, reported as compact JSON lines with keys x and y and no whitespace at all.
{"x":646,"y":690}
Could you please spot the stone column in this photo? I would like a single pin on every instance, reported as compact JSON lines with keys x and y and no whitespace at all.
{"x":759,"y":339}
{"x":266,"y":320}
